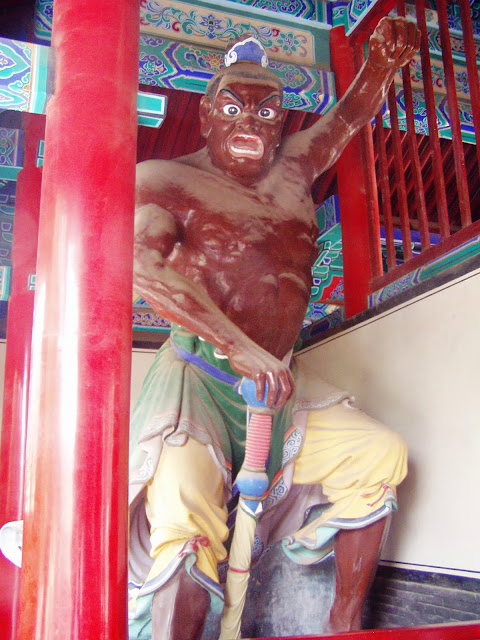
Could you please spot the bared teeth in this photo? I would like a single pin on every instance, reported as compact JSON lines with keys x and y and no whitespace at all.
{"x":246,"y":145}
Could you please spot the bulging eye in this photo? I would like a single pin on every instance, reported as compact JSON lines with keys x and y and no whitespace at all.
{"x":267,"y":113}
{"x":231,"y":110}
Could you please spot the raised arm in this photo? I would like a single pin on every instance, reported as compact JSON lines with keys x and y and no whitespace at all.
{"x":181,"y":300}
{"x":392,"y":45}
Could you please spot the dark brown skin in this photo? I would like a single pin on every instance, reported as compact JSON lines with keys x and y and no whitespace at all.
{"x":224,"y":244}
{"x":186,"y":611}
{"x":226,"y":237}
{"x":357,"y":552}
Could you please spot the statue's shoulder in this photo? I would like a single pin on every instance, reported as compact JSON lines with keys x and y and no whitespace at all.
{"x":155,"y":173}
{"x":159,"y":173}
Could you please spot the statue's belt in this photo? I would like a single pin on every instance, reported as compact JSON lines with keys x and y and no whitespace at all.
{"x":211,"y":369}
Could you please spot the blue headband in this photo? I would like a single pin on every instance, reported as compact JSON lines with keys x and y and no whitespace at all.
{"x":248,"y":50}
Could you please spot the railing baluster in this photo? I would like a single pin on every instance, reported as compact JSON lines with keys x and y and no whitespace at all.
{"x":400,"y":174}
{"x":462,"y":186}
{"x":412,"y":145}
{"x":440,"y":193}
{"x":385,"y":190}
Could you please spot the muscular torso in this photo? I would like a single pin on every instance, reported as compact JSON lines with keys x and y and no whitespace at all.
{"x":251,"y":249}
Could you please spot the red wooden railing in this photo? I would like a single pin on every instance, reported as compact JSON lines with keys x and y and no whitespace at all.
{"x":422,"y":202}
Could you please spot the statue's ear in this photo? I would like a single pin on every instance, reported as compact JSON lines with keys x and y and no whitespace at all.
{"x":205,"y":111}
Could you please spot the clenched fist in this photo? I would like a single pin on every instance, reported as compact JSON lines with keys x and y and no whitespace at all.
{"x":393,"y":43}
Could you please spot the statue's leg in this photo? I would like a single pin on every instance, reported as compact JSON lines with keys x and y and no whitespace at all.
{"x":357,"y":553}
{"x":187,"y":515}
{"x":179,"y":609}
{"x":359,"y":463}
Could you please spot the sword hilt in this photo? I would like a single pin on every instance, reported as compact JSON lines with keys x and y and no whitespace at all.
{"x":252,"y":480}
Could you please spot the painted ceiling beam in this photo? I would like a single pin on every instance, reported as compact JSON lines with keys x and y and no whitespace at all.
{"x":24,"y":82}
{"x":11,"y":155}
{"x":182,"y":44}
{"x":215,"y":23}
{"x":177,"y":65}
{"x":24,"y":73}
{"x":286,"y":33}
{"x":218,"y":23}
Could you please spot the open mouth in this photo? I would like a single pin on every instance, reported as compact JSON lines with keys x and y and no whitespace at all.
{"x":245,"y":145}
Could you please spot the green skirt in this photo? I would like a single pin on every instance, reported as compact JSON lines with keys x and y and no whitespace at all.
{"x":180,"y":400}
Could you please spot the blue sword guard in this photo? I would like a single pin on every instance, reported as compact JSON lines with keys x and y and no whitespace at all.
{"x":249,"y":393}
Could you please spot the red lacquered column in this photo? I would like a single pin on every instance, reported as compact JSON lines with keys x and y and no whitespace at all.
{"x":17,"y":360}
{"x":356,"y":243}
{"x":73,"y":583}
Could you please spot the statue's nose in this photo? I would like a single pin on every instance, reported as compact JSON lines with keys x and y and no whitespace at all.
{"x":248,"y":122}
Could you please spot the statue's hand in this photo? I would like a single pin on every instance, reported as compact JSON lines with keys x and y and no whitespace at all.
{"x":260,"y":366}
{"x":393,"y":43}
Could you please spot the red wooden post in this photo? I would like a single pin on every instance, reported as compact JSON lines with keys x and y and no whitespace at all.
{"x":73,"y":583}
{"x":17,"y":360}
{"x":357,"y":247}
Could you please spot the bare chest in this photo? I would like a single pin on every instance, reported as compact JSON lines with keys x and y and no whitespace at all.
{"x":227,"y":221}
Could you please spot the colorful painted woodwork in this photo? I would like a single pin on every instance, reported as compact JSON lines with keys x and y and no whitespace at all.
{"x":181,"y":47}
{"x":327,"y":272}
{"x":216,"y":24}
{"x":174,"y":65}
{"x":24,"y":83}
{"x":11,"y":153}
{"x":23,"y":75}
{"x":284,"y":32}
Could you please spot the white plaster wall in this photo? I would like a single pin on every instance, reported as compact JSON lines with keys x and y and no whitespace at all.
{"x":417,"y":368}
{"x":142,"y":360}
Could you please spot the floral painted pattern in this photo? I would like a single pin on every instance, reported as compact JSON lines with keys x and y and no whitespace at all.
{"x":297,"y":8}
{"x":210,"y":26}
{"x":150,"y":66}
{"x":172,"y":21}
{"x":288,"y":42}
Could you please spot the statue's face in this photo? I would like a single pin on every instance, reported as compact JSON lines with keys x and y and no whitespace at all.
{"x":243,"y":126}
